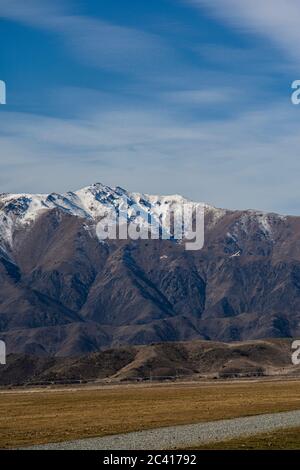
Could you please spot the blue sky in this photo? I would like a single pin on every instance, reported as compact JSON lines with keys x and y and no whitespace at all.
{"x":163,"y":96}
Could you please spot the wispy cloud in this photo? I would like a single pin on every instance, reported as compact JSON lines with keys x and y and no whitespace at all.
{"x":234,"y":163}
{"x":276,"y":20}
{"x":93,"y":41}
{"x":204,"y":96}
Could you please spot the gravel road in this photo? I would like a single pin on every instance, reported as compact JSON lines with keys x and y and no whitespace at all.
{"x":183,"y":436}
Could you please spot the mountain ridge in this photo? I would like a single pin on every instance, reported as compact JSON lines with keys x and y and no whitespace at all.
{"x":87,"y":201}
{"x":63,"y":293}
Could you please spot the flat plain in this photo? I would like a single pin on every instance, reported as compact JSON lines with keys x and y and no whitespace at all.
{"x":38,"y":416}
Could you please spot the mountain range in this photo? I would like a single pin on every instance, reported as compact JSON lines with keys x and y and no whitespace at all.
{"x":65,"y":293}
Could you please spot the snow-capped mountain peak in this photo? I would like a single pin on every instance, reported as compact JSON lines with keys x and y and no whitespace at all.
{"x":91,"y":202}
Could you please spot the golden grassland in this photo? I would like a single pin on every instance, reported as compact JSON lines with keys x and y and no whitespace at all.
{"x":42,"y":416}
{"x":283,"y":439}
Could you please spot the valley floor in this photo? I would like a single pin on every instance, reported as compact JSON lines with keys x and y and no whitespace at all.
{"x":30,"y":417}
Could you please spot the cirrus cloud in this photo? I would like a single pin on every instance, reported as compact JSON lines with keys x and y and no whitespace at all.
{"x":276,"y":20}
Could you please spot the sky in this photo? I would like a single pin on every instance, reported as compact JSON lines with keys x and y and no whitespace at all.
{"x":188,"y":97}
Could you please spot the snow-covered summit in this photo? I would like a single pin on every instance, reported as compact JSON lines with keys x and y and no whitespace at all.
{"x":86,"y":202}
{"x":21,"y":210}
{"x":91,"y":202}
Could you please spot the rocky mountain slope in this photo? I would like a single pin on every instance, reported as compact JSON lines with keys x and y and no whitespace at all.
{"x":62,"y":292}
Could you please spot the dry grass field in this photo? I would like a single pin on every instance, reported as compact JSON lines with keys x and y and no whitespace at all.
{"x":284,"y":439}
{"x":41,"y":416}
